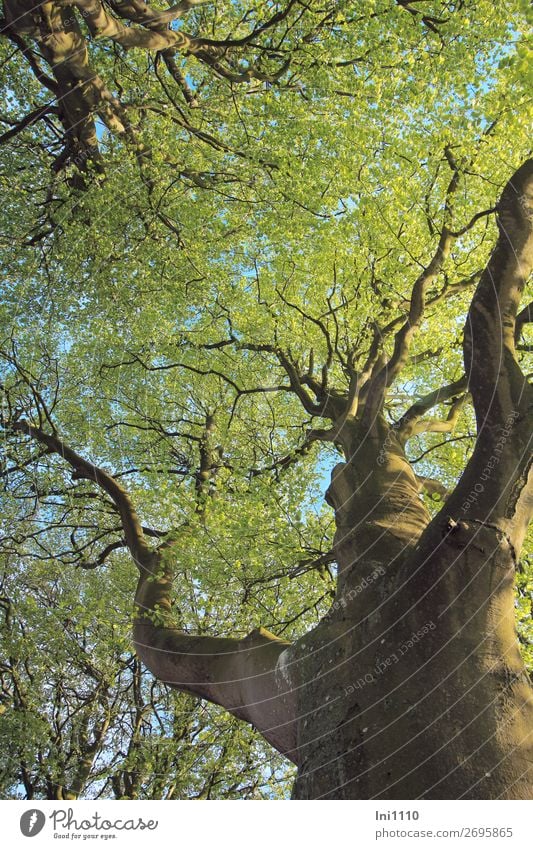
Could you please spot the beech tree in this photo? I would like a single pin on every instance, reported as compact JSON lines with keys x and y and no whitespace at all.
{"x":290,"y":239}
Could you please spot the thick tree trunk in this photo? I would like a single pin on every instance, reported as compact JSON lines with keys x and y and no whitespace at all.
{"x":419,"y":690}
{"x":413,"y":686}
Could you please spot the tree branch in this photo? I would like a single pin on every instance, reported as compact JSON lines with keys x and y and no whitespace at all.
{"x":524,"y":317}
{"x":496,"y":487}
{"x":496,"y":381}
{"x":297,"y":384}
{"x":407,"y":425}
{"x":83,"y":469}
{"x":28,"y":120}
{"x":404,"y":336}
{"x":248,"y":677}
{"x":439,"y":425}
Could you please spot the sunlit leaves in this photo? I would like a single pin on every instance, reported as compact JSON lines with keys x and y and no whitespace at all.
{"x":292,"y":216}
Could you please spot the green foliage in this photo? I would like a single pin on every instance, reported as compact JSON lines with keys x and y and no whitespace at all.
{"x":293,"y":215}
{"x":80,"y":716}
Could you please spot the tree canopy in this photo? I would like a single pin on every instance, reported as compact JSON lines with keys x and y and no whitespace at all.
{"x":224,"y":226}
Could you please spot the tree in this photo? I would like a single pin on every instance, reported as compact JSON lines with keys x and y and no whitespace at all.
{"x":262,"y":297}
{"x":82,"y":718}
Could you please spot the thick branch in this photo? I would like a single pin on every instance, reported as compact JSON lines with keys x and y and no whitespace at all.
{"x":80,"y":91}
{"x":102,"y":25}
{"x":524,"y":317}
{"x":496,"y":382}
{"x":497,"y":485}
{"x":446,"y":425}
{"x":248,"y":677}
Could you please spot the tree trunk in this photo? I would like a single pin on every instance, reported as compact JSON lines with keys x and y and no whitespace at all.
{"x":413,"y":685}
{"x":435,"y":704}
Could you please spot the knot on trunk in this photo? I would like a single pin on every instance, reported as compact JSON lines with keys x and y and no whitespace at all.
{"x":485,"y":537}
{"x":340,"y":489}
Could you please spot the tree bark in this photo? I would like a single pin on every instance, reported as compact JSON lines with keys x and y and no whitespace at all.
{"x":245,"y":676}
{"x":417,"y":689}
{"x":413,"y":686}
